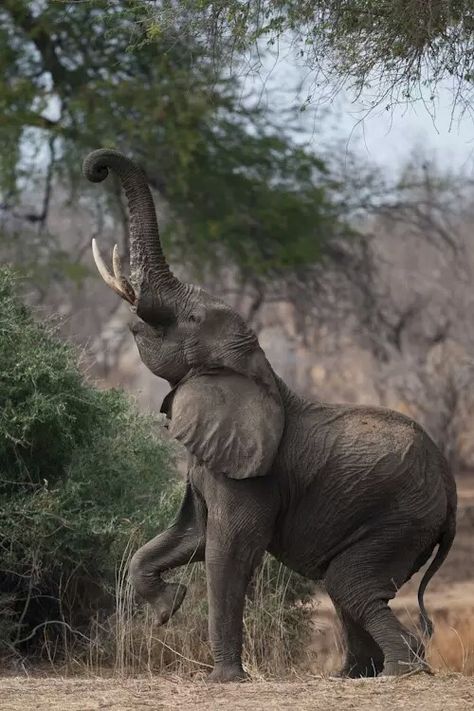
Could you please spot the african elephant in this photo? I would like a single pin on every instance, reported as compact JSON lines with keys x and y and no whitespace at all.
{"x":356,"y":496}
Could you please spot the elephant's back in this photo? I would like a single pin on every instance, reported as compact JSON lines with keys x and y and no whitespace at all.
{"x":369,"y":441}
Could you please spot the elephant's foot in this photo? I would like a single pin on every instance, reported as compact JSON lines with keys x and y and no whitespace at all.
{"x":168,"y":601}
{"x":358,"y":670}
{"x":223,"y":673}
{"x":400,"y":668}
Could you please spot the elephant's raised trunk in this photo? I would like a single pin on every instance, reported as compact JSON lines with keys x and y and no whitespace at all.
{"x":151,"y":276}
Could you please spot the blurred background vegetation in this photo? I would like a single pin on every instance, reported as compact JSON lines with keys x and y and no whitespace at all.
{"x":358,"y":282}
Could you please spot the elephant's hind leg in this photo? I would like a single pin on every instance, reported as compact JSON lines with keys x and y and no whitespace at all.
{"x":363,"y":656}
{"x":361,"y":581}
{"x":182,"y":543}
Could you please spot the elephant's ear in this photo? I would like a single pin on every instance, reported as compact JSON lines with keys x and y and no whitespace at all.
{"x":228,"y":421}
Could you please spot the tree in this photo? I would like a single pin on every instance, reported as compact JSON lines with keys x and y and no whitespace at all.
{"x":397,"y":49}
{"x":75,"y":76}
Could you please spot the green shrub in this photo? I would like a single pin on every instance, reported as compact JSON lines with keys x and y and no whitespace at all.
{"x":81,"y":471}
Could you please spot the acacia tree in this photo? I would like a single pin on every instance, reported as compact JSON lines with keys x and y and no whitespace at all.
{"x":396,"y":48}
{"x":231,"y":186}
{"x":75,"y":76}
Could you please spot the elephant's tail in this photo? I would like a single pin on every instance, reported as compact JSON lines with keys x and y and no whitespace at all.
{"x":444,"y":544}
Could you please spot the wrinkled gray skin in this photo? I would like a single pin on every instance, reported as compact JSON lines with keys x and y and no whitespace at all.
{"x":356,"y":496}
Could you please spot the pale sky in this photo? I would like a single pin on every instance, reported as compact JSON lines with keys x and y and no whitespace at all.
{"x":389,"y":137}
{"x":384,"y":137}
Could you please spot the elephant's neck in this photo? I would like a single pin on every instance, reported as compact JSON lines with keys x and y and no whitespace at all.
{"x":291,"y":401}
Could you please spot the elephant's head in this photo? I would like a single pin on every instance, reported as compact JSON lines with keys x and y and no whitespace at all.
{"x":182,"y":330}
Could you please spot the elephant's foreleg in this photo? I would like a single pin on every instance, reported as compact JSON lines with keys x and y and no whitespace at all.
{"x":227,"y":580}
{"x":182,"y":543}
{"x":238,"y":532}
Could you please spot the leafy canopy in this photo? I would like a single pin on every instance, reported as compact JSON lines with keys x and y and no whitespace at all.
{"x":77,"y":76}
{"x":395,"y":48}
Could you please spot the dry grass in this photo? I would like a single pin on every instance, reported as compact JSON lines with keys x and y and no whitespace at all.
{"x":453,"y":646}
{"x":452,"y":609}
{"x":130,"y":643}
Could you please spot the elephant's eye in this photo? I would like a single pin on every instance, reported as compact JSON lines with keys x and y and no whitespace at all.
{"x":197,"y":315}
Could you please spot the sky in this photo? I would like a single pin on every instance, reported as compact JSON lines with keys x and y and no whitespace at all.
{"x":385,"y":137}
{"x":390,"y":137}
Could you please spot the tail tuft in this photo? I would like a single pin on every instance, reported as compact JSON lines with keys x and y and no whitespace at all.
{"x":426,"y":623}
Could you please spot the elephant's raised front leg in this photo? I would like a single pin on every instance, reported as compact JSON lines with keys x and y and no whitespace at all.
{"x":239,"y":528}
{"x":182,"y":543}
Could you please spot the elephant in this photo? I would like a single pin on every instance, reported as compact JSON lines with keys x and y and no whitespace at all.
{"x":354,"y":496}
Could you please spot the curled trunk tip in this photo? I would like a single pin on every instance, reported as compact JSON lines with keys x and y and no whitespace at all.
{"x":151,"y":275}
{"x":97,"y":164}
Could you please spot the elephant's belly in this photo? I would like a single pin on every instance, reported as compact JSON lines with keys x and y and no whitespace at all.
{"x":313,"y":569}
{"x":303,"y":545}
{"x":307,"y":547}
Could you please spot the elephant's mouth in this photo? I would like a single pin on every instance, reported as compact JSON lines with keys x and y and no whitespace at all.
{"x":149,"y":337}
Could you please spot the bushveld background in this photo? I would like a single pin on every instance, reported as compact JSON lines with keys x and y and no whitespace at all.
{"x":358,"y":281}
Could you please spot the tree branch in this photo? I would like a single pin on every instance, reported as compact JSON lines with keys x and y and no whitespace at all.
{"x":44,"y":43}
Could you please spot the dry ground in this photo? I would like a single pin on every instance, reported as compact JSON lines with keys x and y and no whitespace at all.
{"x":438,"y":693}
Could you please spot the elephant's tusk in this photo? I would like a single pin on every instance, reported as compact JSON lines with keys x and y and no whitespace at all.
{"x":118,"y":282}
{"x":117,"y":263}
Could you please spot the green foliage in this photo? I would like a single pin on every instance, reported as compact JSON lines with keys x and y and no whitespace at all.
{"x":80,"y":473}
{"x":96,"y":73}
{"x":392,"y":47}
{"x":260,"y":202}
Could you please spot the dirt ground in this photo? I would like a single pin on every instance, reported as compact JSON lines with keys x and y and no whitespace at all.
{"x":437,"y":693}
